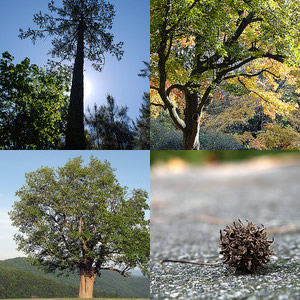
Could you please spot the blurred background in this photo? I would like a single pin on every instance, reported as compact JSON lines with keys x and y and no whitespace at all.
{"x":206,"y":156}
{"x":195,"y":194}
{"x":225,"y":184}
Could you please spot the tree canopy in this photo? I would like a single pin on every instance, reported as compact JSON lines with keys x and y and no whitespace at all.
{"x":80,"y":218}
{"x":96,"y":17}
{"x":142,"y":124}
{"x":33,"y":104}
{"x":108,"y":126}
{"x":199,"y":47}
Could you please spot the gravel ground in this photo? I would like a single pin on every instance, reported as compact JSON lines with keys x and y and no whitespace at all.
{"x":191,"y":205}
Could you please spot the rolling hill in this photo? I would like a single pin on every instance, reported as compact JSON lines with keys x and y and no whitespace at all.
{"x":109,"y":284}
{"x":20,"y":284}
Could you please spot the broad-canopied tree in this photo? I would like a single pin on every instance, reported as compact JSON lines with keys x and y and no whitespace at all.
{"x":108,"y":126}
{"x":33,"y":104}
{"x":80,"y":218}
{"x":80,"y":29}
{"x":200,"y":46}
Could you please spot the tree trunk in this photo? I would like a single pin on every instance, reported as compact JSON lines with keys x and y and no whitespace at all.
{"x":192,"y":121}
{"x":75,"y":138}
{"x":86,"y":283}
{"x":191,"y":137}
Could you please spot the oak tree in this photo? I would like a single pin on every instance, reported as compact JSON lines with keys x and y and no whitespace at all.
{"x":199,"y":46}
{"x":81,"y":29}
{"x":80,"y":218}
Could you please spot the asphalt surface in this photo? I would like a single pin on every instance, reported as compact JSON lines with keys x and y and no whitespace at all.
{"x":189,"y":206}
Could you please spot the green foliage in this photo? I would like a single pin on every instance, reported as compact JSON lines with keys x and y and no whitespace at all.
{"x":142,"y":125}
{"x":235,"y":89}
{"x":108,"y":285}
{"x":80,"y":217}
{"x":20,"y":284}
{"x":145,"y":73}
{"x":218,"y":141}
{"x":255,"y":125}
{"x":81,"y":29}
{"x":164,"y":135}
{"x":218,"y":155}
{"x":197,"y":46}
{"x":33,"y":104}
{"x":95,"y":16}
{"x":108,"y":126}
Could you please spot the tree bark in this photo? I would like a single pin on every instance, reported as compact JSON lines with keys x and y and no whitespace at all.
{"x":86,"y":283}
{"x":75,"y":138}
{"x":192,"y":122}
{"x":191,"y":138}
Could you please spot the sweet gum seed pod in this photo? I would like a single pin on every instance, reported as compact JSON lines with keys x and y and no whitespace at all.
{"x":245,"y":247}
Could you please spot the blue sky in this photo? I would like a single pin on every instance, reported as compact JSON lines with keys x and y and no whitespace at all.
{"x":132,"y":170}
{"x":119,"y":78}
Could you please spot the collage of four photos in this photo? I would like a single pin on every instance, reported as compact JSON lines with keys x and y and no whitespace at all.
{"x":149,"y":149}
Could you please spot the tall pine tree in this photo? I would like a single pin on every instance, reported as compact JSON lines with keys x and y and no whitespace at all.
{"x":108,"y":126}
{"x":81,"y":30}
{"x":142,"y":124}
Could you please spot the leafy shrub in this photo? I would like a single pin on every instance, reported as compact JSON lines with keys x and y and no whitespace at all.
{"x":164,"y":135}
{"x":218,"y":141}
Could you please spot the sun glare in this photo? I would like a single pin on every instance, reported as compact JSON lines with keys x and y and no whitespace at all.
{"x":88,"y":88}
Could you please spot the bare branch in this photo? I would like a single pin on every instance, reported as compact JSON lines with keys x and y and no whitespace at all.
{"x":175,"y":86}
{"x":158,"y":104}
{"x":116,"y":270}
{"x":244,"y":24}
{"x":252,"y":75}
{"x":278,"y":57}
{"x":257,"y":94}
{"x":154,"y":87}
{"x":170,"y":46}
{"x":225,"y":71}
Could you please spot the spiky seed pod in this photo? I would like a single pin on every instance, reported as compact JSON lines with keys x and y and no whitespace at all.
{"x":245,"y":247}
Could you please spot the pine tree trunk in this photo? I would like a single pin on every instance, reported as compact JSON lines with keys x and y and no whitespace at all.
{"x":86,"y":283}
{"x":192,"y":121}
{"x":75,"y":138}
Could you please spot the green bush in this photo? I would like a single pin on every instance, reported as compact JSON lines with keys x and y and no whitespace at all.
{"x":164,"y":135}
{"x":218,"y":141}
